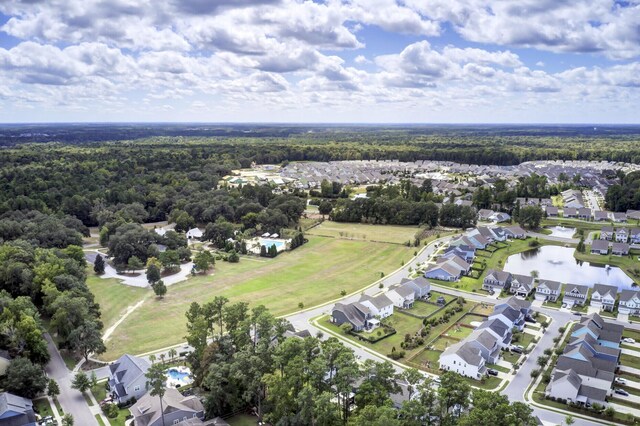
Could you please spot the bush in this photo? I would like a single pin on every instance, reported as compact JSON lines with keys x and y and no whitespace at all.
{"x":535,"y":373}
{"x":396,"y":355}
{"x":110,"y":410}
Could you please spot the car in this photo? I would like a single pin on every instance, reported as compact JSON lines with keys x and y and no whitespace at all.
{"x":628,"y":340}
{"x":620,"y":381}
{"x":516,"y":349}
{"x":577,"y":313}
{"x":492,"y":372}
{"x":621,"y":392}
{"x":564,"y":305}
{"x":491,"y":292}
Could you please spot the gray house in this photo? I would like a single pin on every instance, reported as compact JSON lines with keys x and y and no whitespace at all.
{"x":620,"y":249}
{"x":548,"y":290}
{"x":16,"y":410}
{"x":178,"y":410}
{"x":128,"y":378}
{"x":606,"y":233}
{"x":600,"y":247}
{"x":521,"y":285}
{"x":487,"y":343}
{"x":601,"y":216}
{"x":575,"y":294}
{"x":496,"y":279}
{"x":356,"y":314}
{"x":603,"y":296}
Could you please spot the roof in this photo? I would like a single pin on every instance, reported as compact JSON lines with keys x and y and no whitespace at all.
{"x":498,"y":275}
{"x":497,"y":326}
{"x":567,"y":376}
{"x":128,"y":368}
{"x":604,"y":289}
{"x":627,"y":295}
{"x":485,"y":338}
{"x":380,"y":301}
{"x":16,"y":404}
{"x":509,"y":313}
{"x":147,"y":410}
{"x":583,"y":368}
{"x":600,"y":245}
{"x":354,"y":314}
{"x":515,"y":230}
{"x":516,"y":303}
{"x":592,"y":393}
{"x":551,"y":285}
{"x":620,"y":247}
{"x":523,"y":280}
{"x":467,"y":351}
{"x":403,"y":290}
{"x":582,"y":289}
{"x":446,"y":267}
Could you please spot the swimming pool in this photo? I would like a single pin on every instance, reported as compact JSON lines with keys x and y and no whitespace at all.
{"x":178,"y":376}
{"x":268,"y":243}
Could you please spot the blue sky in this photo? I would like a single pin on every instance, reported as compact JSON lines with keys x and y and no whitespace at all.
{"x":444,"y":61}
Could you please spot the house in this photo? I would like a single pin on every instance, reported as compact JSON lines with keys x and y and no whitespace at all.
{"x":477,"y":241}
{"x":512,"y":318}
{"x":402,"y":295}
{"x":606,"y":233}
{"x":500,"y":217}
{"x":420,"y":285}
{"x":524,"y":306}
{"x":629,"y":302}
{"x":634,"y":236}
{"x":570,"y":212}
{"x":127,"y":378}
{"x":619,"y":217}
{"x":464,"y":358}
{"x":521,"y":285}
{"x":575,"y":294}
{"x":603,"y":296}
{"x":600,"y":216}
{"x":178,"y":409}
{"x":606,"y":333}
{"x":515,"y":232}
{"x":567,"y":385}
{"x":496,"y":279}
{"x":485,"y":231}
{"x":500,"y":330}
{"x":548,"y":290}
{"x":16,"y":410}
{"x":485,"y":214}
{"x":356,"y":314}
{"x":600,"y":247}
{"x":456,"y":262}
{"x":488,"y":345}
{"x":633,"y":214}
{"x":443,"y":272}
{"x":551,"y":211}
{"x":621,"y":235}
{"x":194,"y":233}
{"x":380,"y":305}
{"x":620,"y":249}
{"x":465,"y":252}
{"x":584,"y":213}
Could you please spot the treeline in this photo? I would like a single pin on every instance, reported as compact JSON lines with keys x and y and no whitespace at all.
{"x":624,"y":196}
{"x":242,"y":359}
{"x":37,"y":283}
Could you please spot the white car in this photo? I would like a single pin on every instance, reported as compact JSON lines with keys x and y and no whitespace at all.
{"x":628,"y":340}
{"x":620,"y":381}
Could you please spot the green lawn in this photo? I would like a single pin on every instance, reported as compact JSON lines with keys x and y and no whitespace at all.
{"x":486,"y":383}
{"x":630,"y":360}
{"x":99,"y":393}
{"x":313,"y":274}
{"x":113,"y":297}
{"x":42,"y":407}
{"x":632,"y":348}
{"x":499,"y":368}
{"x":427,"y":357}
{"x":443,"y":342}
{"x":424,"y":309}
{"x":468,"y":319}
{"x":366,"y":232}
{"x":631,"y":333}
{"x":243,"y":420}
{"x":511,"y":357}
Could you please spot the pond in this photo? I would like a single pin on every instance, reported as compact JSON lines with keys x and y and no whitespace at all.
{"x":558,"y":264}
{"x":561,"y":231}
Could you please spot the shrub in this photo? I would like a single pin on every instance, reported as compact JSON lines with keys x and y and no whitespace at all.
{"x":535,"y":373}
{"x":110,"y":410}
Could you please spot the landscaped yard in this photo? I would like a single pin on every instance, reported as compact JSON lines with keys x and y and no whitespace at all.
{"x":42,"y":407}
{"x":113,"y":297}
{"x":631,"y":333}
{"x":424,"y":309}
{"x":99,"y":393}
{"x":312,"y":274}
{"x":366,"y":232}
{"x":468,"y":319}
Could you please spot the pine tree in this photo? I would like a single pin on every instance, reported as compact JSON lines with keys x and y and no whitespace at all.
{"x":263,"y":251}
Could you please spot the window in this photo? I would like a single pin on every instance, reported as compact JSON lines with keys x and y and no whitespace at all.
{"x":136,"y":389}
{"x":175,"y":422}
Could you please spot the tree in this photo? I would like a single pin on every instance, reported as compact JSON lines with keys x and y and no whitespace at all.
{"x":203,"y":260}
{"x":87,"y":339}
{"x":153,"y":274}
{"x":581,"y":246}
{"x":134,"y":263}
{"x":81,"y":381}
{"x":325,"y":207}
{"x":159,"y":288}
{"x":569,"y":420}
{"x":24,"y":378}
{"x":412,"y":376}
{"x":169,"y":259}
{"x":155,"y":384}
{"x":233,"y":257}
{"x":530,"y":217}
{"x":172,"y":353}
{"x":98,"y":265}
{"x":346,"y":327}
{"x":53,"y":390}
{"x":67,"y":420}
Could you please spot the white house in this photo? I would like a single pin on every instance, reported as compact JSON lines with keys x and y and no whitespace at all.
{"x":548,"y":290}
{"x":604,"y":296}
{"x":465,"y":359}
{"x":629,"y":302}
{"x":380,"y":305}
{"x":401,"y":295}
{"x":194,"y":233}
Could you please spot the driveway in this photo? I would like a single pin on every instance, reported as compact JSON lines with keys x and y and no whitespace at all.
{"x":70,"y":399}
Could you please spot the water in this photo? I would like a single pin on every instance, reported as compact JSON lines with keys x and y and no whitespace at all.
{"x":268,"y":243}
{"x":558,"y":264}
{"x":177,"y":375}
{"x":561,"y":231}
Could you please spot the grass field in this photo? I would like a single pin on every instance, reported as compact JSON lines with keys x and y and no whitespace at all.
{"x":113,"y":297}
{"x":424,"y":309}
{"x":365,"y":232}
{"x":315,"y":273}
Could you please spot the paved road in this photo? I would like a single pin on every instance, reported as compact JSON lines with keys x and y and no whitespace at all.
{"x":70,"y":399}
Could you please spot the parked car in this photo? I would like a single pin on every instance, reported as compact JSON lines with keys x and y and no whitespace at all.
{"x":628,"y":340}
{"x":564,"y":305}
{"x":621,"y":392}
{"x":516,"y":349}
{"x":620,"y":381}
{"x":577,"y":313}
{"x":492,"y":372}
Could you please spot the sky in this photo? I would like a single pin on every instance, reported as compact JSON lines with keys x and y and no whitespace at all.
{"x":334,"y":61}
